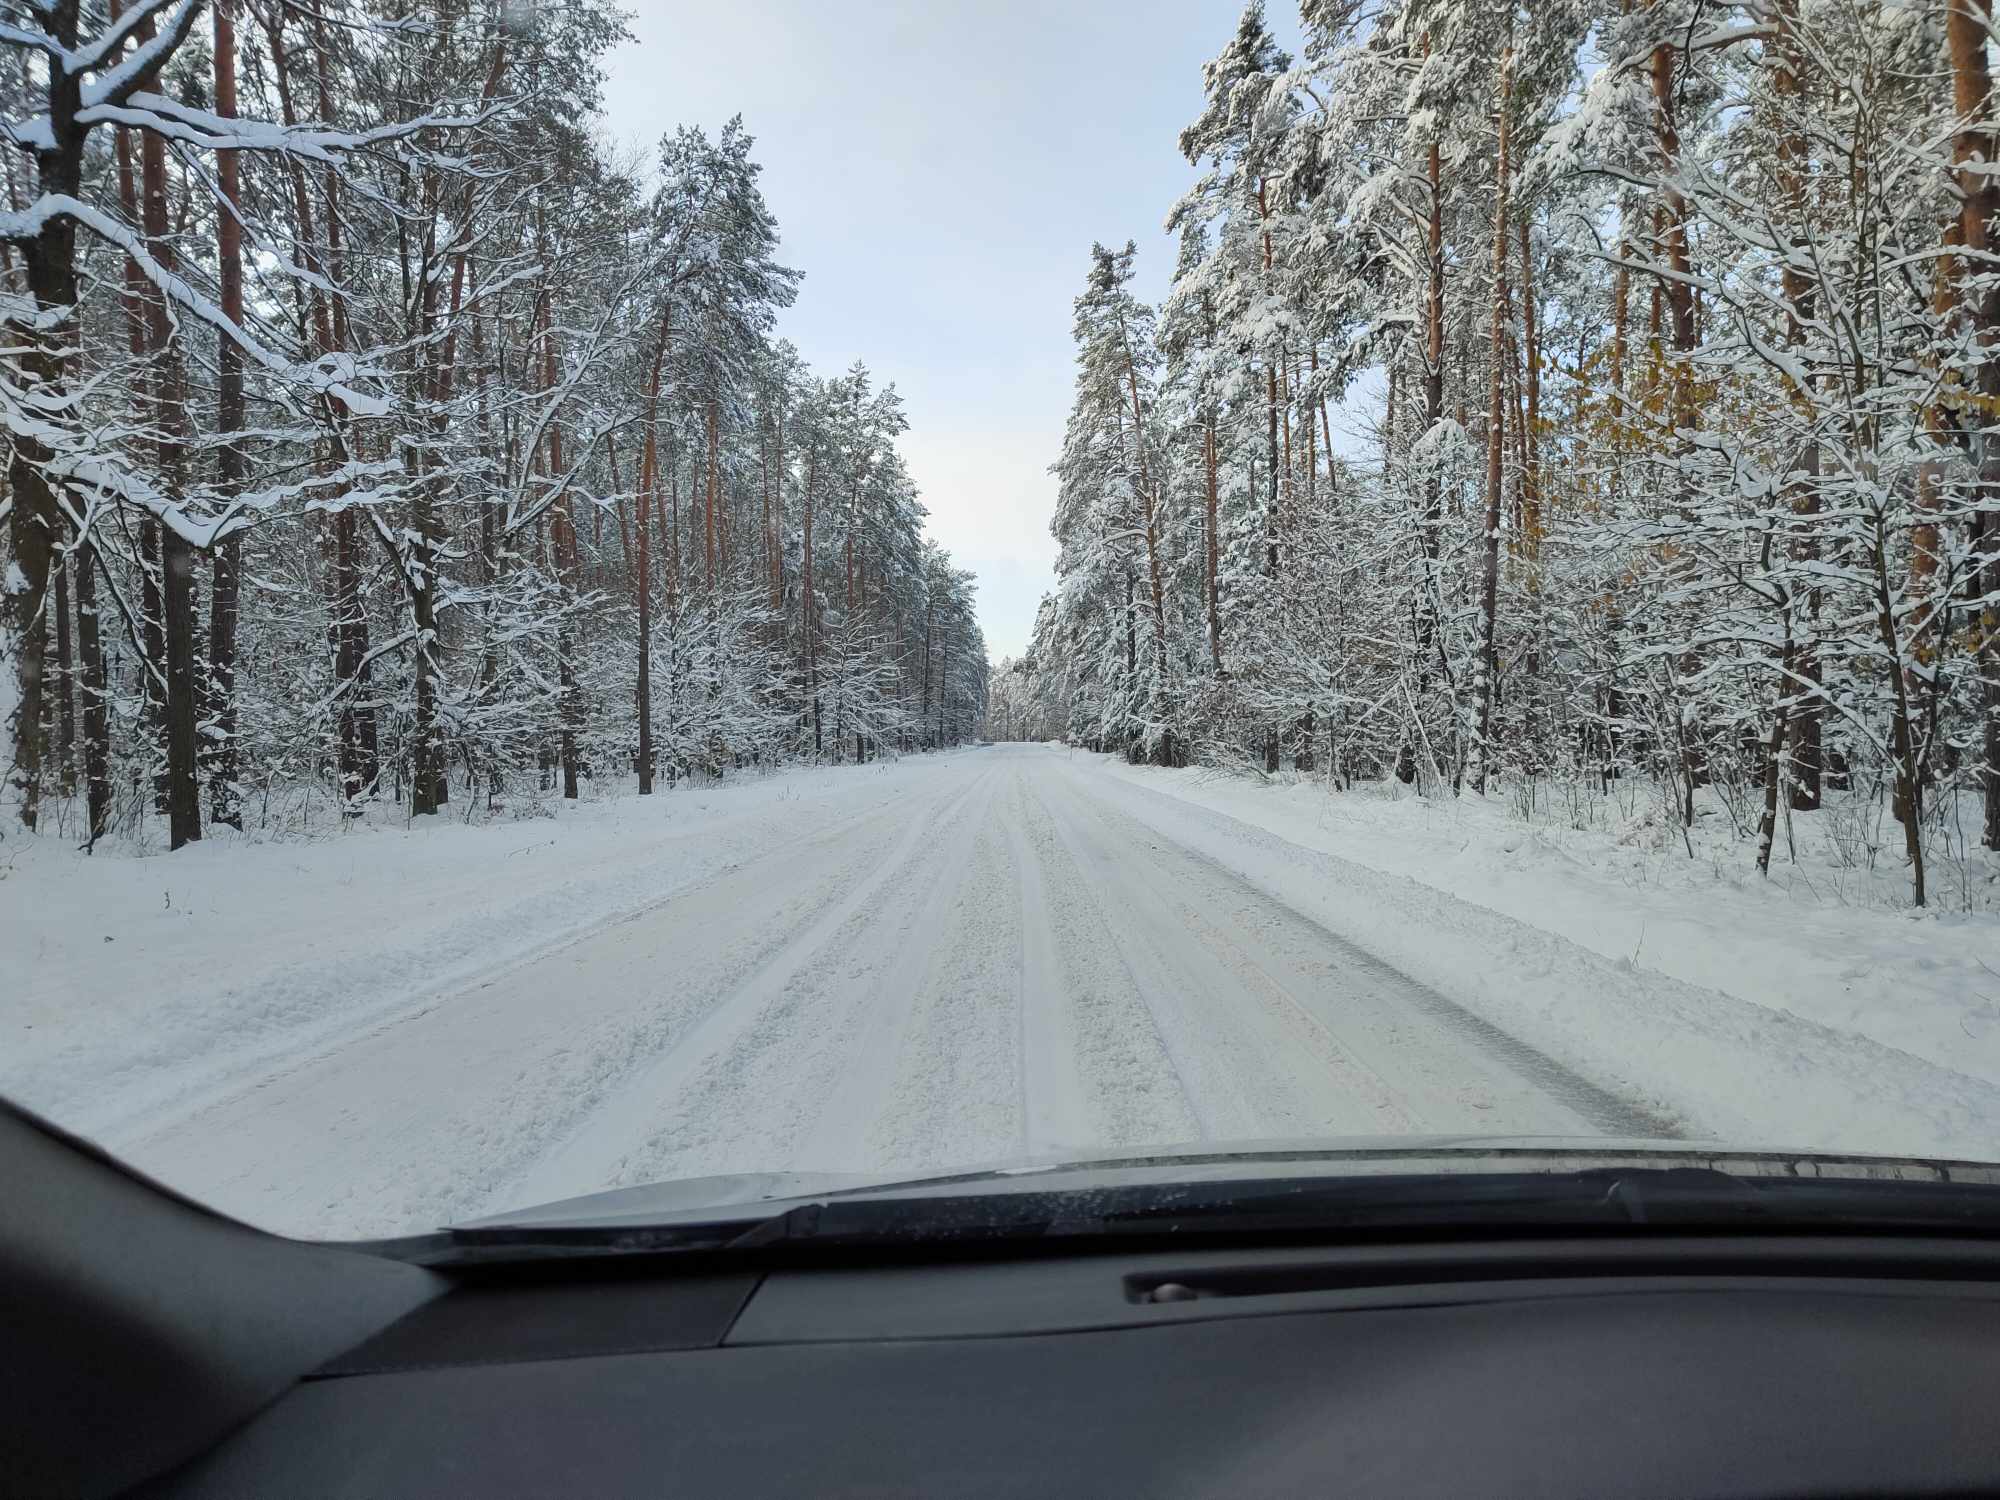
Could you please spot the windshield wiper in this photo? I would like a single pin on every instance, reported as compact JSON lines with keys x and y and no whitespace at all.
{"x":1605,"y":1198}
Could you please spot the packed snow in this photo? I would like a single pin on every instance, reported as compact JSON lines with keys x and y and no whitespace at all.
{"x":993,"y":954}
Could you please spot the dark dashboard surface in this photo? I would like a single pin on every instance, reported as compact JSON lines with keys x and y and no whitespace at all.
{"x":147,"y":1341}
{"x":1392,"y":1370}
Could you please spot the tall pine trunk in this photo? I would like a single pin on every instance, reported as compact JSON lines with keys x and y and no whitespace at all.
{"x":1431,"y":516}
{"x":1968,"y":29}
{"x":1802,"y":667}
{"x":176,"y":554}
{"x":225,"y":588}
{"x":1489,"y":588}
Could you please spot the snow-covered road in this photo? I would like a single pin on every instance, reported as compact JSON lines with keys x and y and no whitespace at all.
{"x":1010,"y":959}
{"x":955,"y":960}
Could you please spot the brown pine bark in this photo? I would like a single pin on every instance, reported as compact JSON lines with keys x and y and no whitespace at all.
{"x":64,"y":682}
{"x":569,"y":563}
{"x":1802,"y":668}
{"x":489,"y":544}
{"x":418,"y":564}
{"x":778,"y":552}
{"x":1678,"y":290}
{"x":767,"y":532}
{"x":96,"y":714}
{"x":649,"y":479}
{"x":1975,"y":155}
{"x":135,"y":301}
{"x":1532,"y":523}
{"x":810,"y":602}
{"x":176,"y":555}
{"x":36,"y":525}
{"x":1489,"y":589}
{"x":1678,"y":294}
{"x":1270,"y":454}
{"x":226,"y":585}
{"x":671,"y":523}
{"x":714,"y":488}
{"x":1432,"y":516}
{"x":1310,"y":461}
{"x":1212,"y":550}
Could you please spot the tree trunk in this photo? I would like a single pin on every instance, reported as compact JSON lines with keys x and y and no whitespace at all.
{"x":137,"y":303}
{"x":1909,"y":787}
{"x":1532,"y":524}
{"x":649,"y":481}
{"x":570,"y":563}
{"x":808,"y":603}
{"x":96,"y":714}
{"x":225,"y":588}
{"x":1270,"y":457}
{"x":1211,"y":550}
{"x":1671,"y":227}
{"x":1968,"y":30}
{"x":176,"y":555}
{"x":65,"y":677}
{"x":1489,"y":588}
{"x":714,"y":481}
{"x":769,"y":533}
{"x":1674,"y":236}
{"x":1432,"y":515}
{"x":778,"y":531}
{"x":1801,"y":683}
{"x":36,"y":524}
{"x":1767,"y":827}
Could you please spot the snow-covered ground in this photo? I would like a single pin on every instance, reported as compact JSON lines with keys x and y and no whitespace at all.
{"x":947,"y":960}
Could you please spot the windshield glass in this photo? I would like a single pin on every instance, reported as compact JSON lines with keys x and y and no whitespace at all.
{"x":601,"y":596}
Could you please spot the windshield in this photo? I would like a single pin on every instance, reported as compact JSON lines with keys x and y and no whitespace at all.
{"x":596,"y":597}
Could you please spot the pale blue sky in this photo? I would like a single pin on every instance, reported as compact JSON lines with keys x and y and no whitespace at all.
{"x":939,"y":171}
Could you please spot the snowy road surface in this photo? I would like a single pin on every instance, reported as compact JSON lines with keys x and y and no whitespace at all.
{"x":1010,"y":959}
{"x":954,"y":960}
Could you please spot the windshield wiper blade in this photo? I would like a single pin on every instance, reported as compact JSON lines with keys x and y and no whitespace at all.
{"x":1607,"y":1198}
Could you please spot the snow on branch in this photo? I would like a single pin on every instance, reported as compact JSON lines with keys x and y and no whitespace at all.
{"x":328,"y":375}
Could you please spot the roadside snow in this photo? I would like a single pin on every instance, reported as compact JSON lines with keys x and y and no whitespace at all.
{"x":131,"y":987}
{"x":1817,"y":940}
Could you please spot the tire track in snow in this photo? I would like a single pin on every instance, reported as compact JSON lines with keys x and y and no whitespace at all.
{"x":1054,"y":1112}
{"x":1256,"y":1069}
{"x":1151,"y":984}
{"x":869,"y":1084}
{"x":242,"y":1071}
{"x":1603,"y":1108}
{"x":624,"y":1123}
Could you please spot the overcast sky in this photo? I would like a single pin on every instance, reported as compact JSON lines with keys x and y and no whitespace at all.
{"x":939,"y":169}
